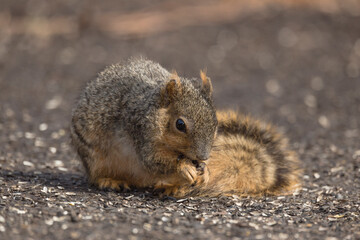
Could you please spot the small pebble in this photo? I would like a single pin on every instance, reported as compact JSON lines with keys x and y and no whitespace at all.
{"x":52,"y":150}
{"x":53,"y":103}
{"x":317,"y":83}
{"x":324,"y":121}
{"x":43,"y":127}
{"x":273,"y":87}
{"x":70,"y":193}
{"x":28,"y":164}
{"x":310,"y":101}
{"x":58,"y":163}
{"x":29,"y":135}
{"x":317,"y":175}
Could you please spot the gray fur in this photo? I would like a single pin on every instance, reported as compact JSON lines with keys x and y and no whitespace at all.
{"x":125,"y":99}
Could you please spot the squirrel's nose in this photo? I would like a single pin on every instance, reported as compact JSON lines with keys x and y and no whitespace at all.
{"x":203,"y":157}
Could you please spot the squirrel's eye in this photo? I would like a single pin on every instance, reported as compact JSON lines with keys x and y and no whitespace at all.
{"x":180,"y":125}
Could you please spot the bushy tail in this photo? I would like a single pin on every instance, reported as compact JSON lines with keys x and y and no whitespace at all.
{"x":245,"y":145}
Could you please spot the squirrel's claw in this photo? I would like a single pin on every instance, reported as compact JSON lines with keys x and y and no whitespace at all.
{"x":173,"y":191}
{"x":109,"y":183}
{"x":188,"y":171}
{"x":203,"y":173}
{"x":194,"y":172}
{"x":163,"y":188}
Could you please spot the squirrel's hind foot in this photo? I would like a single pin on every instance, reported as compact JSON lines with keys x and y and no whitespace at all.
{"x":109,"y":183}
{"x":171,"y":191}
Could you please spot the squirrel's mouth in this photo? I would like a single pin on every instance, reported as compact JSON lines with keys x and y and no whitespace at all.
{"x":180,"y":156}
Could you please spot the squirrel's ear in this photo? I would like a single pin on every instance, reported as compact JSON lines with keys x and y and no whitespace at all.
{"x":206,"y":88}
{"x":172,"y":88}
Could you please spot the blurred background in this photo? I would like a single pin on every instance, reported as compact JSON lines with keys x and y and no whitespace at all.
{"x":295,"y":63}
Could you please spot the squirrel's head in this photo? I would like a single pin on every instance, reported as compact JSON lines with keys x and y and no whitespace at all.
{"x":190,"y":122}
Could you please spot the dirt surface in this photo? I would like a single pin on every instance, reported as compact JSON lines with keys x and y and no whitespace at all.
{"x":295,"y":66}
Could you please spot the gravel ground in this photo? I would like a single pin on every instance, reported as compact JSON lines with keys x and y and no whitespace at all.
{"x":297,"y":67}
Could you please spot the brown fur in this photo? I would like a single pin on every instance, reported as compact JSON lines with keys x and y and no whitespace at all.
{"x":124,"y":130}
{"x":206,"y":82}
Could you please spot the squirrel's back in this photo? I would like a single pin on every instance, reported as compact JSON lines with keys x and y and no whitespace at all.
{"x":110,"y":102}
{"x":120,"y":92}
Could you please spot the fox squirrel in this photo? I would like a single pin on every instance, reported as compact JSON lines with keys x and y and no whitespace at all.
{"x":138,"y":125}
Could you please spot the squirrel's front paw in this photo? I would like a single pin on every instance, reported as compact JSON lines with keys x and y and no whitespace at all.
{"x":163,"y":188}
